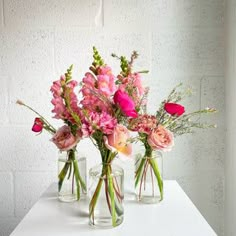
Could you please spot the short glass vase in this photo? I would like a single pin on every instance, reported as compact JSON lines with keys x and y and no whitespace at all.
{"x":71,"y":176}
{"x":148,"y":178}
{"x":106,"y":194}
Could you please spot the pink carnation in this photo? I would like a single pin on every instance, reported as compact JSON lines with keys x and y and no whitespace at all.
{"x":143,"y":124}
{"x":98,"y":121}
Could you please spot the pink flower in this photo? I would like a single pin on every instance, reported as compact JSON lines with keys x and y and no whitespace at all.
{"x":119,"y":140}
{"x":56,"y":88}
{"x":95,"y":90}
{"x":89,"y":80}
{"x":125,"y":103}
{"x":64,"y":91}
{"x":106,"y":84}
{"x":174,"y":109}
{"x":133,"y":83}
{"x":64,"y":139}
{"x":161,"y":139}
{"x":98,"y":121}
{"x":59,"y":107}
{"x":104,"y":70}
{"x":38,"y":125}
{"x":137,"y":83}
{"x":143,"y":124}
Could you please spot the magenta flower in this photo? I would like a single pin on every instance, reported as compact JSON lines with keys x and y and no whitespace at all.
{"x":38,"y":125}
{"x":125,"y":103}
{"x":174,"y":109}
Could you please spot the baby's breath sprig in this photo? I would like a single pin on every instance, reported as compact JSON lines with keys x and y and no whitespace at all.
{"x":185,"y":123}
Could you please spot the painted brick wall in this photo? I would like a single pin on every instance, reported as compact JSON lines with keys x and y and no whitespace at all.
{"x":178,"y":40}
{"x":230,"y":164}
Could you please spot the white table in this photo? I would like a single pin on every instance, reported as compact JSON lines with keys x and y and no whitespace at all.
{"x":174,"y":216}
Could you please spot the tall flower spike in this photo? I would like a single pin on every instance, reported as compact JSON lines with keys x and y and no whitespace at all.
{"x":68,"y":74}
{"x":98,"y":61}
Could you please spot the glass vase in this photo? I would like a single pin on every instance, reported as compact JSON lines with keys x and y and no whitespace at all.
{"x":148,"y":178}
{"x":106,"y":194}
{"x":71,"y":176}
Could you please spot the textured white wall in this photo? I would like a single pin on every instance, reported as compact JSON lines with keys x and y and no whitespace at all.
{"x":230,"y":164}
{"x":178,"y":40}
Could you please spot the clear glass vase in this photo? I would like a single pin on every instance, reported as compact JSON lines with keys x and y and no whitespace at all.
{"x":106,"y":194}
{"x":148,"y":178}
{"x":71,"y":176}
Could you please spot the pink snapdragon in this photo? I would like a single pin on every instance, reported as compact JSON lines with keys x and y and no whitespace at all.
{"x":64,"y":91}
{"x":105,"y":80}
{"x":96,"y":91}
{"x":133,"y":83}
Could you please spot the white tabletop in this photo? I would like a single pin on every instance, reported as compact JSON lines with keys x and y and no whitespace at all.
{"x":174,"y":216}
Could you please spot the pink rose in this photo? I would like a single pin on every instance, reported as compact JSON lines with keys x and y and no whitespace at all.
{"x":118,"y":140}
{"x":125,"y":103}
{"x":161,"y":139}
{"x":38,"y":125}
{"x":64,"y":139}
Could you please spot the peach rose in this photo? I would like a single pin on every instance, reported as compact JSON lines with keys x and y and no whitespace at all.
{"x":64,"y":139}
{"x":161,"y":139}
{"x":118,"y":140}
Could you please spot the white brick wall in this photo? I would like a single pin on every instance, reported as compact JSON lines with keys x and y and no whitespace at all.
{"x":178,"y":40}
{"x":230,"y":164}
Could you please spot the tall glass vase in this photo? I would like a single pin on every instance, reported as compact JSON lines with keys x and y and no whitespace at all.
{"x":148,"y":177}
{"x":106,"y":194}
{"x":71,"y":176}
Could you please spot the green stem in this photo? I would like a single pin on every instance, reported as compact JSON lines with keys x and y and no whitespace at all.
{"x":49,"y":126}
{"x":94,"y":199}
{"x":62,"y":175}
{"x":112,"y":196}
{"x":139,"y":172}
{"x":155,"y":168}
{"x":78,"y":176}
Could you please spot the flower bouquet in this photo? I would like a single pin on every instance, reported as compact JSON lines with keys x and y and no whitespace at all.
{"x":65,"y":138}
{"x":108,"y":107}
{"x":156,"y":133}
